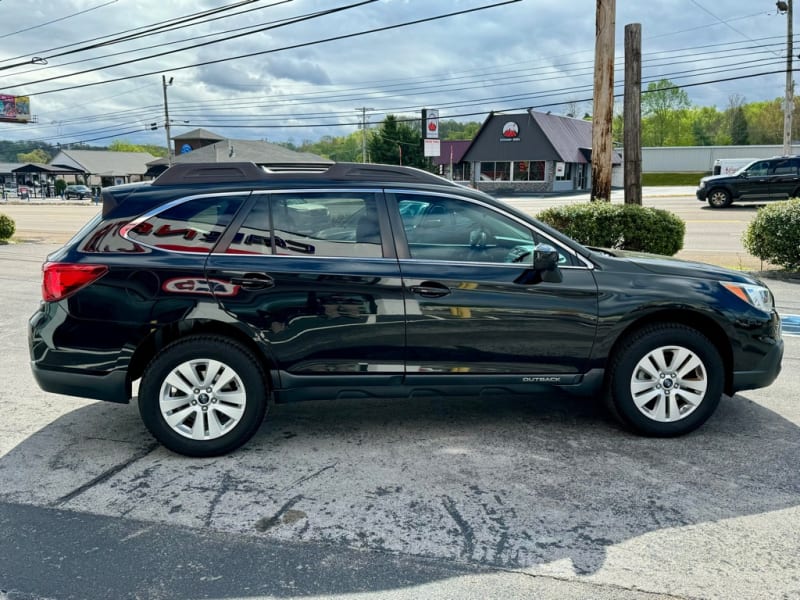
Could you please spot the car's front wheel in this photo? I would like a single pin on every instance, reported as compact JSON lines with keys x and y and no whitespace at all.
{"x":203,"y":396}
{"x":719,"y":198}
{"x":665,"y":380}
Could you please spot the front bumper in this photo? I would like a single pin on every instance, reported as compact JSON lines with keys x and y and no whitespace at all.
{"x":764,"y":373}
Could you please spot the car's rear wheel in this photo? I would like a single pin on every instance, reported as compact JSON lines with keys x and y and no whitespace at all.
{"x":203,"y":396}
{"x":719,"y":198}
{"x":665,"y":380}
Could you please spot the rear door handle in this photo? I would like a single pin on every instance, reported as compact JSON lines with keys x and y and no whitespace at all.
{"x":430,"y":289}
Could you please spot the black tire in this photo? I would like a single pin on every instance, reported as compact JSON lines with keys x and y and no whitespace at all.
{"x":719,"y":198}
{"x":213,"y":413}
{"x":668,"y":401}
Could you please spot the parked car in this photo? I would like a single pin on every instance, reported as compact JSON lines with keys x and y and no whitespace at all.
{"x":77,"y":191}
{"x":219,"y":290}
{"x":769,"y":179}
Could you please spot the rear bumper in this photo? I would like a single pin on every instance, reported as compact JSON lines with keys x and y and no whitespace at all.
{"x":764,"y":373}
{"x":111,"y":387}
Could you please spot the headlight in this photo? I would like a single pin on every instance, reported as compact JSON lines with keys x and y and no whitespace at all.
{"x":702,"y":184}
{"x":755,"y":295}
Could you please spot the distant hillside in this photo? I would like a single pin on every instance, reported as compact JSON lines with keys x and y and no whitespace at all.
{"x":10,"y":150}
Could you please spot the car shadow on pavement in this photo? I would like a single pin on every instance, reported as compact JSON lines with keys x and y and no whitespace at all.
{"x":495,"y":482}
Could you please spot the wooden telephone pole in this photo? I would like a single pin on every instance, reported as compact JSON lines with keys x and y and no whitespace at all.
{"x":603,"y":106}
{"x":632,"y":109}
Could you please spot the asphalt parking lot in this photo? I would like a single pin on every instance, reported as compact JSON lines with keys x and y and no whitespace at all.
{"x":429,"y":498}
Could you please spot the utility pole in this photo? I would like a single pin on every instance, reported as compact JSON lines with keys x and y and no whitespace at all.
{"x":364,"y":110}
{"x":603,"y":109}
{"x":165,"y":84}
{"x":788,"y":107}
{"x":632,"y":109}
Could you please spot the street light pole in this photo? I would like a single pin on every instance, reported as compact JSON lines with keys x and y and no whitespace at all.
{"x":788,"y":107}
{"x":165,"y":84}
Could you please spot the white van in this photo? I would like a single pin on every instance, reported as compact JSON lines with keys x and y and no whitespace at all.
{"x":729,"y":166}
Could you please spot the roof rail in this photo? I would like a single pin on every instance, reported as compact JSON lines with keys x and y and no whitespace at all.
{"x":231,"y":172}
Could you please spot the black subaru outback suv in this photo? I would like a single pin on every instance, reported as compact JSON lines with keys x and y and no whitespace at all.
{"x":219,"y":288}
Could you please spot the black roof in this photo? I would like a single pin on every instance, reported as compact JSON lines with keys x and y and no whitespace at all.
{"x":209,"y":173}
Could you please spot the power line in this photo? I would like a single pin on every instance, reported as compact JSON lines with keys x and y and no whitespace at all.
{"x":258,"y":53}
{"x":64,"y":18}
{"x":172,"y":27}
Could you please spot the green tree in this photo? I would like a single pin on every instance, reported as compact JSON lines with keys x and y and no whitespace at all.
{"x":663,"y":105}
{"x":34,"y":156}
{"x":341,"y":149}
{"x":454,"y":130}
{"x":736,"y":120}
{"x":125,"y":146}
{"x":765,"y":121}
{"x":706,"y":126}
{"x":396,"y":142}
{"x":738,"y":127}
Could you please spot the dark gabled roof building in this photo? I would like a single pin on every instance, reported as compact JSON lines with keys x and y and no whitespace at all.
{"x":450,"y":162}
{"x":532,"y":152}
{"x":201,"y":145}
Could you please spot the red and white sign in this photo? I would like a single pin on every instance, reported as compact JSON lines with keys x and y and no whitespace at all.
{"x":510,"y":130}
{"x":432,"y":148}
{"x":431,"y":124}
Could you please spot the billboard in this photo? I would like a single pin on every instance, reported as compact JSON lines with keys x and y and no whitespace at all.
{"x":16,"y":109}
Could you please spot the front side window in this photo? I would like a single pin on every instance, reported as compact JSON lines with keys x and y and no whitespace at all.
{"x":759,"y":169}
{"x":453,"y":229}
{"x":192,"y":226}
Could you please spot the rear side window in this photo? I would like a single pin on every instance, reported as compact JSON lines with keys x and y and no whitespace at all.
{"x":192,"y":226}
{"x":332,"y":224}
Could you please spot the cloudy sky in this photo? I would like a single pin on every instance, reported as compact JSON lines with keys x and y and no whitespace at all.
{"x":295,"y":70}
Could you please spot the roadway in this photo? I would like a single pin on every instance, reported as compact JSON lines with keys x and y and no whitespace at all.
{"x":371,"y":500}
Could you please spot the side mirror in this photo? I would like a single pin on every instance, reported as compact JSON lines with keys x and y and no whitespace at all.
{"x":545,"y":258}
{"x":545,"y":261}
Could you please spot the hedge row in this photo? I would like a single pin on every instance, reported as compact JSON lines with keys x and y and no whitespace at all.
{"x":620,"y":226}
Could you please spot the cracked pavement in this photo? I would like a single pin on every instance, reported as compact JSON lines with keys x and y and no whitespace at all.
{"x":473,"y":497}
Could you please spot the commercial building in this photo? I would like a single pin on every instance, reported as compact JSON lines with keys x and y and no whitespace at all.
{"x":534,"y":152}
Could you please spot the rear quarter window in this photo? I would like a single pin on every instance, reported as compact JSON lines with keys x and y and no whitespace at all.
{"x":195,"y":225}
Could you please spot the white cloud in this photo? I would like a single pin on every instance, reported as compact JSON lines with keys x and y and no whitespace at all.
{"x":530,"y":53}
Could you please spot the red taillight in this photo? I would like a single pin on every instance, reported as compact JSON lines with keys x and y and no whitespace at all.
{"x":62,"y":279}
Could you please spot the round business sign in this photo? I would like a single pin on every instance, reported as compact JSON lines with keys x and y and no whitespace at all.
{"x":510,"y":130}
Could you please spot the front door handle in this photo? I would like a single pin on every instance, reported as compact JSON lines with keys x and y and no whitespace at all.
{"x":430,"y":289}
{"x":253,"y":281}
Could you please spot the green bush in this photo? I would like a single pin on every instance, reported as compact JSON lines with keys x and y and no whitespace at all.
{"x":7,"y":227}
{"x":774,"y":234}
{"x":621,"y":226}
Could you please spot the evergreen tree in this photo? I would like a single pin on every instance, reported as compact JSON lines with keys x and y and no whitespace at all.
{"x":738,"y":127}
{"x":395,"y":143}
